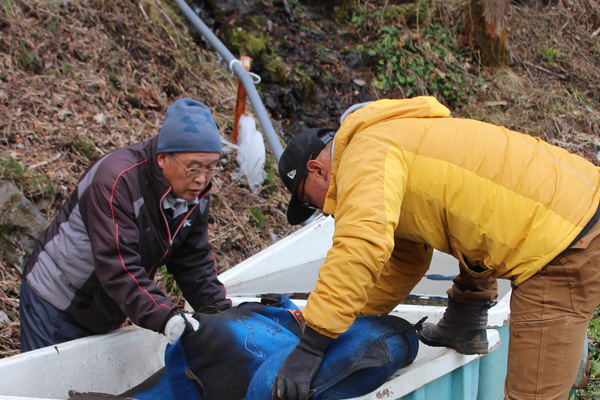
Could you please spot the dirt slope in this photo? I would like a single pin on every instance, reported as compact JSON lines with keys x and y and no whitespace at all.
{"x":551,"y":87}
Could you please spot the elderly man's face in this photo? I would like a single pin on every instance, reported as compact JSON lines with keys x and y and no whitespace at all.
{"x":186,"y":181}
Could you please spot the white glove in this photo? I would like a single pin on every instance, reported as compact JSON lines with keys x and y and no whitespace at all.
{"x":176,"y":326}
{"x":193,"y":321}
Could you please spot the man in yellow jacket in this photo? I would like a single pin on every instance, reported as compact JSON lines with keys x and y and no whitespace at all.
{"x":402,"y":179}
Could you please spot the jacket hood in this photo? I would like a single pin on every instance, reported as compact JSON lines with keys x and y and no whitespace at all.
{"x":382,"y":110}
{"x":371,"y":114}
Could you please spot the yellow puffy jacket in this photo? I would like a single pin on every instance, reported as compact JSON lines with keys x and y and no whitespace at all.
{"x":406,"y":179}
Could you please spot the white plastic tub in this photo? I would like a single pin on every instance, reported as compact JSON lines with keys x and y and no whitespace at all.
{"x":116,"y":362}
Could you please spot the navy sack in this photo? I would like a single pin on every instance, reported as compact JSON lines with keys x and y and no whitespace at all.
{"x":219,"y":359}
{"x":356,"y":363}
{"x":235,"y":354}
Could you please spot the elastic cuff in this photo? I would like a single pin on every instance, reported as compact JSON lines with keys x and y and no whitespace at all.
{"x":169,"y":316}
{"x":314,"y":339}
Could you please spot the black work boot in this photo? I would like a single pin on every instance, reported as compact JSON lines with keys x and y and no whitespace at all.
{"x":463,"y":328}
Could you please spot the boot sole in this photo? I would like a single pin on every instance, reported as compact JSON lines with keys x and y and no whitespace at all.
{"x":463,"y":347}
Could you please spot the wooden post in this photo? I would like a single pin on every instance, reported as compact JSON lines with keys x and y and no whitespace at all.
{"x":240,"y":102}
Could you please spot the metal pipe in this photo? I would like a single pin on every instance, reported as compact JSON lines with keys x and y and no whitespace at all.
{"x":241,"y":73}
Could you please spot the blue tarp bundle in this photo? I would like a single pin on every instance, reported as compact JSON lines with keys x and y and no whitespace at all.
{"x":236,"y":354}
{"x":356,"y":363}
{"x":229,"y":347}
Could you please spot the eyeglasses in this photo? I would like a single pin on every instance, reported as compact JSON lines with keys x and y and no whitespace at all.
{"x":301,"y":198}
{"x":193,"y":172}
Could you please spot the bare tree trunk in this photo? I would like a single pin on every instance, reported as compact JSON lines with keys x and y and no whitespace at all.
{"x":485,"y":30}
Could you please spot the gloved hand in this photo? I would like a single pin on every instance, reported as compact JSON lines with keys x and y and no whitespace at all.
{"x":177,"y":325}
{"x":300,"y":366}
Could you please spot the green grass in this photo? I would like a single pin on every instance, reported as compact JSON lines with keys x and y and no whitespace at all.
{"x":28,"y":181}
{"x":549,"y":55}
{"x":257,"y":218}
{"x":593,"y":389}
{"x":167,"y":281}
{"x":431,"y":63}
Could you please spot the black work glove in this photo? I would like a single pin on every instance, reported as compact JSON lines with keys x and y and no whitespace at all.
{"x":300,"y":366}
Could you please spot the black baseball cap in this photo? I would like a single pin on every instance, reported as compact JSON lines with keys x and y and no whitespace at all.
{"x":302,"y":148}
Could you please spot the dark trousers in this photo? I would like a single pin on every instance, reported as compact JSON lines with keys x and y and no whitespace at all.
{"x":43,"y":324}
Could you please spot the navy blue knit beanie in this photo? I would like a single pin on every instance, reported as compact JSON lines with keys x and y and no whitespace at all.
{"x":189,"y":128}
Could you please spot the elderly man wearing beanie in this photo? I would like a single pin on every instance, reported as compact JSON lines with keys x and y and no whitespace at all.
{"x":135,"y":209}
